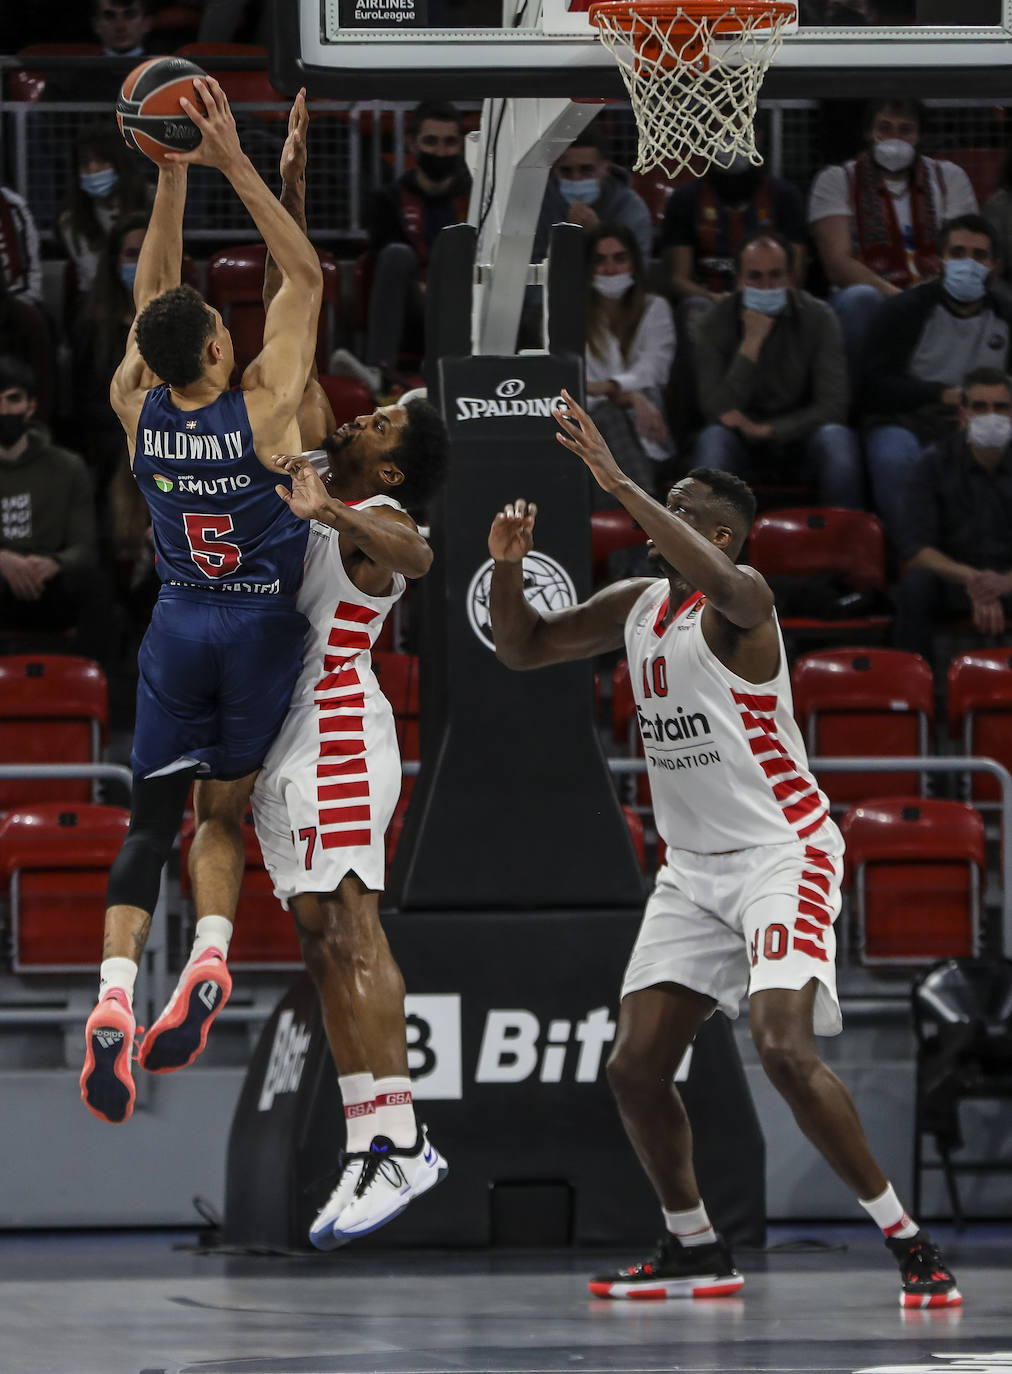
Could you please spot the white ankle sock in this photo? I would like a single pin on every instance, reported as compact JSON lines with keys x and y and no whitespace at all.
{"x":357,"y":1093}
{"x":211,"y":932}
{"x":117,"y":973}
{"x":395,"y":1116}
{"x":889,"y":1215}
{"x":692,"y":1227}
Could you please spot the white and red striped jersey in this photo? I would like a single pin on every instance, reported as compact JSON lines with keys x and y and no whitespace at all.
{"x":726,"y":762}
{"x":338,"y":716}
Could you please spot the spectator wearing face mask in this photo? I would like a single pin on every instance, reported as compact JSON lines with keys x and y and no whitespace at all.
{"x":585,"y":188}
{"x":707,"y":221}
{"x":772,"y":382}
{"x":957,"y":527}
{"x":48,"y":578}
{"x":923,"y":344}
{"x":106,"y":186}
{"x":404,"y":219}
{"x":876,"y":219}
{"x":630,"y":349}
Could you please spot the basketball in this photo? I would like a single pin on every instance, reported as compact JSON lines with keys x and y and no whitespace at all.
{"x":148,"y":111}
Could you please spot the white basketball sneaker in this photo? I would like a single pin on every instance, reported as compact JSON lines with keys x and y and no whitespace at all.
{"x":391,"y":1178}
{"x":321,"y":1233}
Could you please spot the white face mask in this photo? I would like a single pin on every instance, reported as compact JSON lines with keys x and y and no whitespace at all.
{"x":894,"y":154}
{"x":613,"y":287}
{"x":989,"y":431}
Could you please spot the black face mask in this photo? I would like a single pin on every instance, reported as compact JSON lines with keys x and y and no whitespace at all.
{"x":436,"y":166}
{"x":735,"y":187}
{"x":11,"y":429}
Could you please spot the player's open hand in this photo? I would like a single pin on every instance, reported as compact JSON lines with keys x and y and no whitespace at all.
{"x":219,"y":139}
{"x":293,"y":154}
{"x":512,"y":534}
{"x":308,"y":498}
{"x":579,"y":433}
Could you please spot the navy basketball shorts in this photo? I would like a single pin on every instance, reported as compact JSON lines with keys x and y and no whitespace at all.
{"x":216,"y":677}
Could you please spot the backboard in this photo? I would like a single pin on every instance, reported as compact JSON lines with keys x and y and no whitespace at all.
{"x":474,"y":49}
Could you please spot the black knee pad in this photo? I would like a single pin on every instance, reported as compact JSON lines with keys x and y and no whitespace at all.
{"x":155,"y":815}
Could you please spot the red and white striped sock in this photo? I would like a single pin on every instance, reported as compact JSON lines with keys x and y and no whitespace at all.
{"x":889,"y":1214}
{"x":358,"y":1094}
{"x":395,"y":1116}
{"x":692,"y":1227}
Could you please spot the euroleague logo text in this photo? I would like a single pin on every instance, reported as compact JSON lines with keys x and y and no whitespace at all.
{"x":508,"y":401}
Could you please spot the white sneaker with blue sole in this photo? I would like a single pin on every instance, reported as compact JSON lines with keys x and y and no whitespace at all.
{"x":391,"y":1179}
{"x":321,"y":1233}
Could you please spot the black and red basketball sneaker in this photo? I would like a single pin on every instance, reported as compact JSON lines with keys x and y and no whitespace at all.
{"x":674,"y":1271}
{"x":926,"y":1279}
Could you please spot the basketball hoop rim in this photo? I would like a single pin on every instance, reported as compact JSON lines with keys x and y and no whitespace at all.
{"x":686,"y":15}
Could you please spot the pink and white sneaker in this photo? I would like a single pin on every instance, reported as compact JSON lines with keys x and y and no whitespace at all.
{"x":180,"y":1033}
{"x":107,"y":1083}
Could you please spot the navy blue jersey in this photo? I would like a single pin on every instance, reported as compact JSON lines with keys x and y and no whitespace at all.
{"x":218,"y":523}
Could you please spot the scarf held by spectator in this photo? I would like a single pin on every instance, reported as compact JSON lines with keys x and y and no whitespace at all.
{"x":879,"y":236}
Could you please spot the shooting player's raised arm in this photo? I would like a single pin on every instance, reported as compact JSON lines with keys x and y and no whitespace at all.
{"x":274,"y":381}
{"x":158,"y":270}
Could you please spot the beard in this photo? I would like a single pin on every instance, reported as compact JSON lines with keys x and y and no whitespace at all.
{"x":661,"y":564}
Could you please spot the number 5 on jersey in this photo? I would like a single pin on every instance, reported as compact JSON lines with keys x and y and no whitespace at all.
{"x":213,"y":556}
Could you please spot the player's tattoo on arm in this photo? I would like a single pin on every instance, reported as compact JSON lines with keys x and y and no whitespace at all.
{"x":293,"y":199}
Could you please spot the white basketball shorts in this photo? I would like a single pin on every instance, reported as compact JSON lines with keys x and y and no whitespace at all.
{"x":745,"y":921}
{"x":320,"y":816}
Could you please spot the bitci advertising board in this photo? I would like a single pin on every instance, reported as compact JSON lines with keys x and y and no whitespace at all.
{"x":510,"y":1020}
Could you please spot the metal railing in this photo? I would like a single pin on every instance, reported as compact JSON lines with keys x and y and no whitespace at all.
{"x":156,"y":950}
{"x":356,"y":146}
{"x":157,"y":967}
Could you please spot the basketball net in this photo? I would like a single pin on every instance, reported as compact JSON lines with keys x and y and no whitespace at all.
{"x":693,"y":69}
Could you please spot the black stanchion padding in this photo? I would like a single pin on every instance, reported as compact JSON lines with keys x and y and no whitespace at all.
{"x":511,"y":1017}
{"x":448,"y":301}
{"x":567,"y":289}
{"x":515,"y":806}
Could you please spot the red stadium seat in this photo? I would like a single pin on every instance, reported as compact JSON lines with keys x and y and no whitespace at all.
{"x":53,"y":709}
{"x":235,"y":280}
{"x":24,"y":84}
{"x":915,"y":869}
{"x":172,"y":17}
{"x":811,"y":541}
{"x":864,"y":701}
{"x":56,"y":859}
{"x":625,"y":725}
{"x":982,"y":165}
{"x":264,"y":934}
{"x":348,"y":398}
{"x":398,"y":679}
{"x":980,"y":712}
{"x":611,"y":530}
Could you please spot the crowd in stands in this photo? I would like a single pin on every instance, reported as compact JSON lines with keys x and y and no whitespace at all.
{"x":854,"y":354}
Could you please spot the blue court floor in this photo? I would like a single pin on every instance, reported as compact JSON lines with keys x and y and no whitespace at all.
{"x":820,"y":1298}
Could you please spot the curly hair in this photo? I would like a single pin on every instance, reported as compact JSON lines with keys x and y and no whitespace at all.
{"x":735,"y":498}
{"x":172,"y":331}
{"x":421,"y":455}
